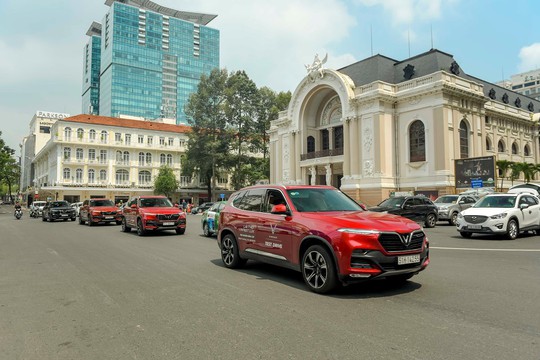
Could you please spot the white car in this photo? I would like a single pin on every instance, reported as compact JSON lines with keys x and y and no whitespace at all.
{"x":36,"y":208}
{"x":507,"y":214}
{"x":77,"y":206}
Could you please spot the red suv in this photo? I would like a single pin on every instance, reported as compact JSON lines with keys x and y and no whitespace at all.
{"x":94,"y":211}
{"x":322,"y":233}
{"x":152,"y":213}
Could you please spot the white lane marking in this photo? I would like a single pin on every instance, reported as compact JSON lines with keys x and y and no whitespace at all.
{"x":52,"y":251}
{"x":475,"y":249}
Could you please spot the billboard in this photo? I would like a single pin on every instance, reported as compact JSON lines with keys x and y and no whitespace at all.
{"x":475,"y":172}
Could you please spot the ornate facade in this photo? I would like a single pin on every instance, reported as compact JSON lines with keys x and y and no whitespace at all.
{"x":382,"y":125}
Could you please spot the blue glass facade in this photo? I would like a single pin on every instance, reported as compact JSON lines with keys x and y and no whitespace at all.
{"x":92,"y":62}
{"x":151,"y":63}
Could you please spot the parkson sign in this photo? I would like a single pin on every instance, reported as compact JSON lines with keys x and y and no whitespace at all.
{"x":51,"y":115}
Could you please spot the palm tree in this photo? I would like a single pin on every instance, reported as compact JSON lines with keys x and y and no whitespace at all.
{"x":517,"y":169}
{"x":529,"y":170}
{"x":503,"y":166}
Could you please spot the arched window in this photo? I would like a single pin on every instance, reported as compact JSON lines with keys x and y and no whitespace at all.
{"x":118,"y":156}
{"x":148,"y":159}
{"x":126,"y":157}
{"x":102,"y":175}
{"x":80,"y":133}
{"x":67,"y":133}
{"x":92,"y":135}
{"x":169,"y":159}
{"x":464,"y":139}
{"x":162,"y":159}
{"x":104,"y":136}
{"x":91,"y":176}
{"x":78,"y":175}
{"x":145,"y":177}
{"x":489,"y":145}
{"x":526,"y":150}
{"x":122,"y":177}
{"x":141,"y":159}
{"x":67,"y":174}
{"x":67,"y":153}
{"x":514,"y":149}
{"x":500,"y":146}
{"x":310,"y":144}
{"x":417,"y":141}
{"x":79,"y":153}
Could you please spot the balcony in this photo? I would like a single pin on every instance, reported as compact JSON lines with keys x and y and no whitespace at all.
{"x":321,"y":153}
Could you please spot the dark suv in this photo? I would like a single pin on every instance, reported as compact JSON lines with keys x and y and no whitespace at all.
{"x":56,"y":210}
{"x":322,"y":233}
{"x":417,"y":208}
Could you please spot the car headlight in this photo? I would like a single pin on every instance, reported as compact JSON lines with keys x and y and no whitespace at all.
{"x":150,"y":216}
{"x":359,"y":231}
{"x":498,"y":216}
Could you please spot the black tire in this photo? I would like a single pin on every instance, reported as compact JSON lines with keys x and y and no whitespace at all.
{"x":140,"y":228}
{"x":180,"y":231}
{"x":229,"y":253}
{"x":118,"y":222}
{"x":466,"y":235}
{"x":43,"y":218}
{"x":431,"y":220}
{"x":318,"y":270}
{"x":512,"y":229}
{"x":125,"y":228}
{"x":73,"y":218}
{"x":453,"y":219}
{"x":64,"y":219}
{"x":49,"y":218}
{"x":206,"y":230}
{"x":90,"y":222}
{"x":81,"y":222}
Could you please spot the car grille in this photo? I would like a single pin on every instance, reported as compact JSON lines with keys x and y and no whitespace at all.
{"x":393,"y":242}
{"x":475,"y":219}
{"x":168,"y":216}
{"x":108,"y":213}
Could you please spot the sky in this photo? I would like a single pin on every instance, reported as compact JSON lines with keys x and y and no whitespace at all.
{"x":41,"y":42}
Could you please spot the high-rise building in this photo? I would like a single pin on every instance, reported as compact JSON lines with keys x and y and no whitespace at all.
{"x":150,"y":60}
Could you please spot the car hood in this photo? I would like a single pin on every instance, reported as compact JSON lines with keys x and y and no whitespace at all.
{"x":383,"y":208}
{"x":61,"y":208}
{"x":104,"y":208}
{"x":486,"y":211}
{"x":366,"y":220}
{"x":161,"y":210}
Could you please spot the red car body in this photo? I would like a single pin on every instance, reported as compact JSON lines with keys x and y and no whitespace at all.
{"x":320,"y":232}
{"x":94,"y":211}
{"x":152,"y":213}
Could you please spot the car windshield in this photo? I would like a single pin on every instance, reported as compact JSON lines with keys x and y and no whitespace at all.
{"x":392,"y":202}
{"x":446,"y":200}
{"x":156,"y":202}
{"x":104,"y":202}
{"x":496,"y":202}
{"x":39,"y":203}
{"x":316,"y":200}
{"x":59,"y":203}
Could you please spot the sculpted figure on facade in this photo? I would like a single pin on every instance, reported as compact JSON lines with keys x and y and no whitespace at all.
{"x":328,"y":168}
{"x":313,"y":172}
{"x":316,"y":68}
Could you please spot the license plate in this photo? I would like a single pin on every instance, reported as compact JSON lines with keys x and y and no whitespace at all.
{"x":64,"y":215}
{"x":408,"y":259}
{"x":168,"y":223}
{"x":109,"y":217}
{"x":474,"y":226}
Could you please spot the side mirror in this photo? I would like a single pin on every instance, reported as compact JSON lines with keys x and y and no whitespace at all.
{"x":523,"y":206}
{"x":461,"y":202}
{"x":407,"y":206}
{"x":280,"y":209}
{"x":133,"y":206}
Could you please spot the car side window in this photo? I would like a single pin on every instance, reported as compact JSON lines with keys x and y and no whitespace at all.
{"x":252,"y":200}
{"x":238,"y":199}
{"x":273,"y":197}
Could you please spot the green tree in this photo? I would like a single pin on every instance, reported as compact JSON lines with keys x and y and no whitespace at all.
{"x":503,"y":166}
{"x":528,"y":170}
{"x":516,"y":170}
{"x":165,"y":183}
{"x":9,"y":167}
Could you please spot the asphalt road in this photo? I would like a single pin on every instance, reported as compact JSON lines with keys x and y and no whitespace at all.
{"x":74,"y":292}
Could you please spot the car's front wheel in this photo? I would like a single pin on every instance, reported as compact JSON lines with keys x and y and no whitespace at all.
{"x":431,"y":220}
{"x":206,"y":230}
{"x":318,"y":270}
{"x":453,"y":219}
{"x":230,"y":254}
{"x":125,"y":227}
{"x":180,"y":231}
{"x":466,"y":235}
{"x":140,"y":228}
{"x":512,"y":229}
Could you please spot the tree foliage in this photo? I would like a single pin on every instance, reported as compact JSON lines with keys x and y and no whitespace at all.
{"x":230,"y":119}
{"x":9,"y":167}
{"x":165,"y":183}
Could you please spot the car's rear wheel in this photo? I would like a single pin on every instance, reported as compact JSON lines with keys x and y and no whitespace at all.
{"x":318,"y":270}
{"x":431,"y":220}
{"x":512,"y":229}
{"x":229,"y":252}
{"x":118,"y":222}
{"x":206,"y":230}
{"x":81,"y":221}
{"x":180,"y":231}
{"x":466,"y":235}
{"x":43,"y":218}
{"x":453,"y":219}
{"x":125,"y":228}
{"x":140,"y":228}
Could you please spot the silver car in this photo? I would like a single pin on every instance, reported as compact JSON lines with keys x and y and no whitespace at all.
{"x":450,"y":206}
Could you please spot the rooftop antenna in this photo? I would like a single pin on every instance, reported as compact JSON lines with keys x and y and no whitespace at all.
{"x":371,"y":34}
{"x":409,"y":41}
{"x":431,"y":36}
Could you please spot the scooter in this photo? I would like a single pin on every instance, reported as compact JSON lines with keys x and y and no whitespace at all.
{"x":18,"y":214}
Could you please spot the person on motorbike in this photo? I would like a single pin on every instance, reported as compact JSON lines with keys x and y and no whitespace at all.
{"x":17,"y":208}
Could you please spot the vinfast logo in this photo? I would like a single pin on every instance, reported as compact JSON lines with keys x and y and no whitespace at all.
{"x":273,"y":228}
{"x":406,"y":239}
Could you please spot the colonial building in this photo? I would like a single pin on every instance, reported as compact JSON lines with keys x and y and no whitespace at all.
{"x":95,"y":156}
{"x":382,"y":125}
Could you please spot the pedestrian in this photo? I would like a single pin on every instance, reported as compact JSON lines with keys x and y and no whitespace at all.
{"x":184,"y":205}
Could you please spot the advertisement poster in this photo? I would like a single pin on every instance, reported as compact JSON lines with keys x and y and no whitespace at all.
{"x":475,"y":172}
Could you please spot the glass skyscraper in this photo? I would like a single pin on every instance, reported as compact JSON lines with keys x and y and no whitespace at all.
{"x":150,"y":60}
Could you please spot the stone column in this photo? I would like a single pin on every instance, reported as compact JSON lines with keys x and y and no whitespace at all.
{"x":355,"y":148}
{"x":331,"y":144}
{"x":346,"y":149}
{"x":293,"y":157}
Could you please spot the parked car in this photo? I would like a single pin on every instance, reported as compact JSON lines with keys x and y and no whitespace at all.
{"x":450,"y":206}
{"x":507,"y":214}
{"x":36,"y":208}
{"x":210,"y":218}
{"x":77,"y":206}
{"x":417,"y":208}
{"x":201,"y":208}
{"x":320,"y":232}
{"x":94,"y":211}
{"x":56,"y":210}
{"x":525,"y":188}
{"x":152,"y":213}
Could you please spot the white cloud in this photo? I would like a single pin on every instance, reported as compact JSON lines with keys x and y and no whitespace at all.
{"x":529,"y":57}
{"x":406,"y":12}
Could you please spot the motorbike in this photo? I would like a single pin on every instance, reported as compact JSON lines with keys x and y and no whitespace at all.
{"x":18,"y":214}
